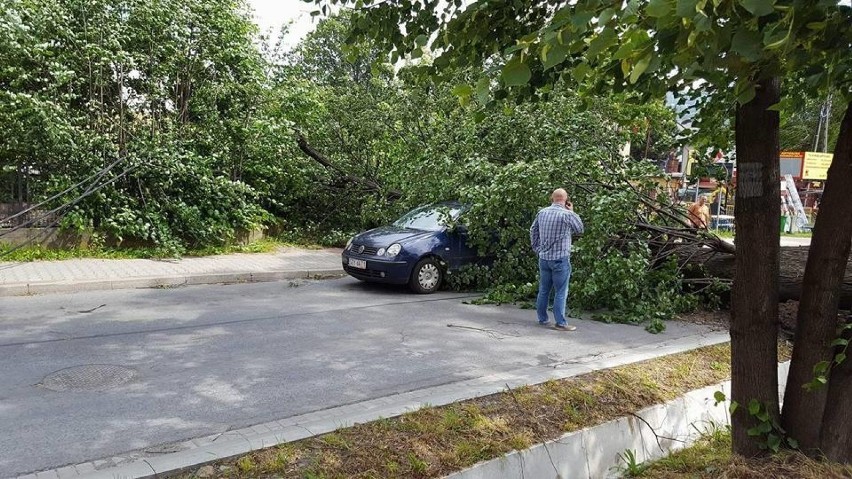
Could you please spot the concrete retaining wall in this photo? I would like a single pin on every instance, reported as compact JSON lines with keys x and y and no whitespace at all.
{"x":56,"y":238}
{"x":53,"y":238}
{"x":594,"y":453}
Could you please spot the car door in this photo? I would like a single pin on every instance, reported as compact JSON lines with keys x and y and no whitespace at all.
{"x":461,"y":252}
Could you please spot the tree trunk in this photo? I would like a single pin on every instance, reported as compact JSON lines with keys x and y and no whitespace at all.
{"x":829,"y":409}
{"x":705,"y":263}
{"x":836,"y":433}
{"x":754,"y":296}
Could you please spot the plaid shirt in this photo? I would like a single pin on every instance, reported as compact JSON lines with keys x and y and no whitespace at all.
{"x":550,"y":233}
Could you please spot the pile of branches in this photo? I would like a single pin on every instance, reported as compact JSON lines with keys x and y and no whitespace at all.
{"x":703,"y":258}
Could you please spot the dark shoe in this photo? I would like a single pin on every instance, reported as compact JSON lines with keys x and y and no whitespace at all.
{"x":565,"y":327}
{"x":546,"y":324}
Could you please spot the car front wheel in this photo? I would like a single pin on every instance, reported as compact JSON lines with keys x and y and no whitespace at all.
{"x":426,"y":276}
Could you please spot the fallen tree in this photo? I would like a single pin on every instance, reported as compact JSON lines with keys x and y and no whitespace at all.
{"x":702,"y":264}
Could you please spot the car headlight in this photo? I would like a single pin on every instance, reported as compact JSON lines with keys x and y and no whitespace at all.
{"x":380,"y":252}
{"x":348,"y":245}
{"x":394,"y":249}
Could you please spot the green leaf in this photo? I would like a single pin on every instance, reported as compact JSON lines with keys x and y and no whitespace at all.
{"x":840,"y":342}
{"x":601,"y":42}
{"x":748,"y":44}
{"x":462,"y":90}
{"x":640,"y":67}
{"x":719,"y":396}
{"x":581,"y":18}
{"x":793,"y":443}
{"x":774,"y":442}
{"x":759,"y":8}
{"x":605,"y":16}
{"x":840,"y":358}
{"x":764,"y":427}
{"x":516,"y":73}
{"x":746,"y":95}
{"x":556,"y":55}
{"x":442,"y":61}
{"x":753,"y":432}
{"x":580,"y":71}
{"x":821,"y":367}
{"x":420,"y":41}
{"x":659,"y":8}
{"x":702,"y":23}
{"x":686,"y":8}
{"x":733,"y":408}
{"x":753,"y":407}
{"x":631,"y":10}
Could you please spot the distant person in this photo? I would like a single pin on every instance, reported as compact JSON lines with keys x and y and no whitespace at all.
{"x":699,"y":214}
{"x":550,"y":236}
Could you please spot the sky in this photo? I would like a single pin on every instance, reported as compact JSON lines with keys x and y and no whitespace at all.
{"x":272,"y":14}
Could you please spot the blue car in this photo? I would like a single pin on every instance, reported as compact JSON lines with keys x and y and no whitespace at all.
{"x":418,"y":249}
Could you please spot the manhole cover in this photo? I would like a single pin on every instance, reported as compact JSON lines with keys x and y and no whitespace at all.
{"x":91,"y":377}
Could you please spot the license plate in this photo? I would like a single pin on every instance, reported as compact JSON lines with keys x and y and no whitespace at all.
{"x":358,"y":263}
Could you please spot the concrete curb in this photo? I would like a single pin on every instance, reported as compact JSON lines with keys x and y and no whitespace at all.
{"x":596,"y":452}
{"x":74,"y":286}
{"x":230,"y":444}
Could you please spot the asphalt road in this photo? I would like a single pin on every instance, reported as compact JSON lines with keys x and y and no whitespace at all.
{"x":200,"y":360}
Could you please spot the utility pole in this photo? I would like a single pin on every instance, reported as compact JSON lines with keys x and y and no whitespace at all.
{"x":822,"y":125}
{"x":827,"y":121}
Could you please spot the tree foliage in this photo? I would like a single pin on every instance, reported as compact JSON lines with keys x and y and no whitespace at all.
{"x":726,"y":59}
{"x":163,"y":91}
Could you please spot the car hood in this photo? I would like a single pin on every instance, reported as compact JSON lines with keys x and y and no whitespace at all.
{"x":387,"y":235}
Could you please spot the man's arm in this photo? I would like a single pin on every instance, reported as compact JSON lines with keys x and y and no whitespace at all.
{"x":575,"y":224}
{"x":534,"y":237}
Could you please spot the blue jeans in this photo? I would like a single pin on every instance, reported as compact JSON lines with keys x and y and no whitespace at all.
{"x":553,"y":275}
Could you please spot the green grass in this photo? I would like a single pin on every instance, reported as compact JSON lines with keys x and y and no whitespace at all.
{"x":711,"y":458}
{"x":708,"y":455}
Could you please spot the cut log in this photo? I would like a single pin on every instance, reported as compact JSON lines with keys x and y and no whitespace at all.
{"x":706,"y":263}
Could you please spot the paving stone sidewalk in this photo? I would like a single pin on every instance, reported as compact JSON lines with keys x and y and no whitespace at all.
{"x":68,"y":276}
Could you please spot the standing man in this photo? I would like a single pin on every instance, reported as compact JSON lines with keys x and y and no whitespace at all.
{"x":699,"y":214}
{"x":550,"y":235}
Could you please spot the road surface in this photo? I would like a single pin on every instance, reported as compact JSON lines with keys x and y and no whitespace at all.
{"x":93,"y":375}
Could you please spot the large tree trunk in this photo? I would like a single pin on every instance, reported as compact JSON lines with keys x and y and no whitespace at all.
{"x":754,"y":296}
{"x":836,"y":433}
{"x":831,"y":409}
{"x":706,"y":263}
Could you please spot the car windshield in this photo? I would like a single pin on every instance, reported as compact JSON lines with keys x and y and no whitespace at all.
{"x":428,"y":218}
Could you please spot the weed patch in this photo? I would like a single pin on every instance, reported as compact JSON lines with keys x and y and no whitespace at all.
{"x":711,"y":458}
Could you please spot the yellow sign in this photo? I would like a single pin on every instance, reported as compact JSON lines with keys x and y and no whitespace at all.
{"x":816,"y":165}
